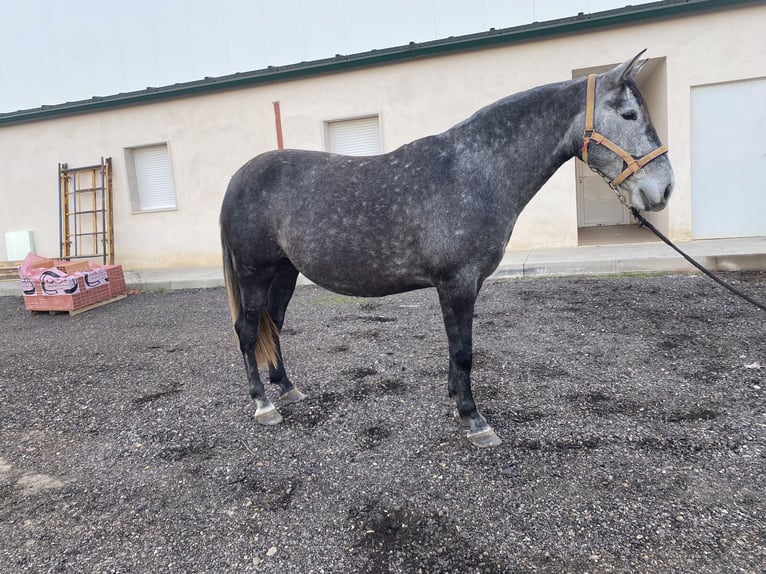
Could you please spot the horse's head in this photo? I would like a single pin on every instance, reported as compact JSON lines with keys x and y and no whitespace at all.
{"x":620,"y":142}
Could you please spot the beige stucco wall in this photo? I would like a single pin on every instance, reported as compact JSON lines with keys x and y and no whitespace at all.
{"x":210,"y":136}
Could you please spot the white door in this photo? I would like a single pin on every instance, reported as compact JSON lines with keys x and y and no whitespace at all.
{"x":597,"y":204}
{"x":728,"y":160}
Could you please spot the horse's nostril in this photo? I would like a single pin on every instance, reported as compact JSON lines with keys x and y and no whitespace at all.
{"x":668,"y":191}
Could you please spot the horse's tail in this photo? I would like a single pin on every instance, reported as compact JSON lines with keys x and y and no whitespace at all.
{"x":268,"y":333}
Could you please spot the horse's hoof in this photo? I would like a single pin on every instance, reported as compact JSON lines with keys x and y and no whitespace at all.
{"x":484,"y":439}
{"x":292,"y":396}
{"x":268,"y":416}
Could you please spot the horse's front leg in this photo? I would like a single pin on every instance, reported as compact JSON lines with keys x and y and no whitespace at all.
{"x":457,"y":305}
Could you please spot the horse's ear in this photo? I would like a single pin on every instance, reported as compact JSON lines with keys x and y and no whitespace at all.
{"x":627,"y":70}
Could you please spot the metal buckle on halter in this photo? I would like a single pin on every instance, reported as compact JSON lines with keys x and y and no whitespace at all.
{"x":623,"y":200}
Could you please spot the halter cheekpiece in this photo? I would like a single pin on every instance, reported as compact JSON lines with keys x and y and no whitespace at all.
{"x":634,"y":166}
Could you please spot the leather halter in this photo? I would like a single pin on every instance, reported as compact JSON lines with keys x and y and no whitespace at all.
{"x":633,"y":165}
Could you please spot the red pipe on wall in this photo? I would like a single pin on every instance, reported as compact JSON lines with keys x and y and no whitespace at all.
{"x":278,"y":121}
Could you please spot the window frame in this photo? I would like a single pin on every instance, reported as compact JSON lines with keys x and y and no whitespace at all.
{"x":137,"y":201}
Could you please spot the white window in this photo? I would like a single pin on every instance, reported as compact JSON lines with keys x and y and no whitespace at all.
{"x":357,"y":136}
{"x":150,"y":177}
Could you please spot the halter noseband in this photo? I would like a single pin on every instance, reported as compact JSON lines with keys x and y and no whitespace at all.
{"x":590,"y":134}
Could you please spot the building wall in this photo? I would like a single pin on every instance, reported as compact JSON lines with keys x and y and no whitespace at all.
{"x":210,"y":136}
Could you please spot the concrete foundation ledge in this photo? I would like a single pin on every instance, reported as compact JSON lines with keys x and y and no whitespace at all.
{"x":741,"y":254}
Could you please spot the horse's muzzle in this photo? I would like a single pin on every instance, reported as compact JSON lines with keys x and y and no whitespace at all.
{"x":647,"y":199}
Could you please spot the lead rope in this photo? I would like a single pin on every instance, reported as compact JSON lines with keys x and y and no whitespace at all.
{"x":644,"y":223}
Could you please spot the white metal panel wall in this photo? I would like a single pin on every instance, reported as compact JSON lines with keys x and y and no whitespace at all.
{"x":18,"y":244}
{"x":728,"y":159}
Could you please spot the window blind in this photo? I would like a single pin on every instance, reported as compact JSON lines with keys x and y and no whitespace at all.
{"x":154,"y":178}
{"x":360,"y":136}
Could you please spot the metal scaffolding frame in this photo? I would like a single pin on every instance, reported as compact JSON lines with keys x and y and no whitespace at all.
{"x":86,"y":222}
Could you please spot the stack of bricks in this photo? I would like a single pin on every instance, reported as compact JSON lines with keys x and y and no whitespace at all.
{"x":117,"y":285}
{"x":84,"y":295}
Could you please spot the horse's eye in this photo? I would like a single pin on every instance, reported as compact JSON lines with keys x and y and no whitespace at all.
{"x":631,"y":115}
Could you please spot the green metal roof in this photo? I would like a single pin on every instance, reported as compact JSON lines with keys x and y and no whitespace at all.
{"x":493,"y":38}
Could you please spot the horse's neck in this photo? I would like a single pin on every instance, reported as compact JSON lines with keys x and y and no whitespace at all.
{"x":526,"y":137}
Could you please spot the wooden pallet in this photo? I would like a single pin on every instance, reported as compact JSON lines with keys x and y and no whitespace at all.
{"x":80,"y":309}
{"x":9,"y":270}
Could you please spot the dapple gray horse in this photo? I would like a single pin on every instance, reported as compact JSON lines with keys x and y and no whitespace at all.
{"x":437,"y":212}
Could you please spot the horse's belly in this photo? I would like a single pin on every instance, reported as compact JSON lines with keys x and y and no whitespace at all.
{"x":364,"y":258}
{"x":370,"y":278}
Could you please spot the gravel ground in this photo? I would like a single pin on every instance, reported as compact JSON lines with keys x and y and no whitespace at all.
{"x":632,"y":412}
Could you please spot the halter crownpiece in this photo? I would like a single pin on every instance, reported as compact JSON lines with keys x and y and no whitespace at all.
{"x":634,"y":166}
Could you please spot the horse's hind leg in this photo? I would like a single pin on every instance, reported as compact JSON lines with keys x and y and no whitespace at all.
{"x":457,"y":302}
{"x":280,"y":292}
{"x":254,"y":295}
